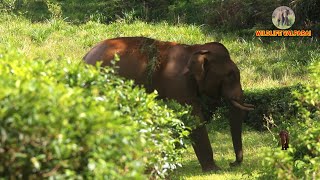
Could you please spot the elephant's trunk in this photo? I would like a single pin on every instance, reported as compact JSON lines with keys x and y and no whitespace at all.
{"x":238,"y":112}
{"x":237,"y":116}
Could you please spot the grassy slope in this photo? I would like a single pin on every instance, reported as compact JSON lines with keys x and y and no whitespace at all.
{"x":263,"y":65}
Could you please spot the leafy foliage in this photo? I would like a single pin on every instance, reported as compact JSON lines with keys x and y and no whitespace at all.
{"x":302,"y":159}
{"x":230,"y":15}
{"x":274,"y":104}
{"x":64,"y":119}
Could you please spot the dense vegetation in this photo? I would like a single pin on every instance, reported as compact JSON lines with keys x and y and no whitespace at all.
{"x":230,"y":15}
{"x":66,"y":120}
{"x":60,"y":118}
{"x":303,"y":157}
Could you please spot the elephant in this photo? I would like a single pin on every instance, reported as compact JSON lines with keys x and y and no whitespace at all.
{"x":282,"y":17}
{"x":183,"y":73}
{"x":284,"y":139}
{"x":285,"y":17}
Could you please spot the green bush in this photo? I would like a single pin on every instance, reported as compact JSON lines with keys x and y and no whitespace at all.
{"x":272,"y":107}
{"x":302,"y":159}
{"x":275,"y":104}
{"x":64,"y":119}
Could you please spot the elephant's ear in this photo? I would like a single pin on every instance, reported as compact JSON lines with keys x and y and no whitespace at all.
{"x":197,"y":64}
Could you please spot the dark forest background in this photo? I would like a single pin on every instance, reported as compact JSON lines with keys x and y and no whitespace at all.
{"x":229,"y":15}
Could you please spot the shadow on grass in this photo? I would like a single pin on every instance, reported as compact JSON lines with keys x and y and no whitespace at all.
{"x":254,"y":144}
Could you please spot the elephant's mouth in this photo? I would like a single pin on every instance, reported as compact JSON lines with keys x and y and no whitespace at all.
{"x":243,"y":106}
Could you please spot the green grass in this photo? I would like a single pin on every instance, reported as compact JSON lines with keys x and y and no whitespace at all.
{"x":254,"y":145}
{"x":279,"y":62}
{"x":264,"y":63}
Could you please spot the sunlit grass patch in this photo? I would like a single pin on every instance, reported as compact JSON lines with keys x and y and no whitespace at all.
{"x":254,"y":144}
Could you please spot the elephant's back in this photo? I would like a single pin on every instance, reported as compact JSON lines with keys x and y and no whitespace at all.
{"x":106,"y":50}
{"x":139,"y":56}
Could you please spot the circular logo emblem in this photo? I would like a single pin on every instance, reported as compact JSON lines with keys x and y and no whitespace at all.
{"x":283,"y":17}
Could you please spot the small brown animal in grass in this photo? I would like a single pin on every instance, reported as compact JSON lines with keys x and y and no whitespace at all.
{"x":284,"y":139}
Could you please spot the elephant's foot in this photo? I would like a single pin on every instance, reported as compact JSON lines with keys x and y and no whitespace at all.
{"x":213,"y":168}
{"x":235,"y":164}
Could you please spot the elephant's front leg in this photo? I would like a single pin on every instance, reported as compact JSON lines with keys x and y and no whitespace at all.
{"x":201,"y":144}
{"x":203,"y":150}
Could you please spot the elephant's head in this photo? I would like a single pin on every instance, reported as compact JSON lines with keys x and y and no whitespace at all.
{"x":217,"y":76}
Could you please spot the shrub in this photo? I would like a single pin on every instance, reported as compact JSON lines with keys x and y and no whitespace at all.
{"x":272,"y":106}
{"x":302,"y":158}
{"x":63,"y":119}
{"x":275,"y":103}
